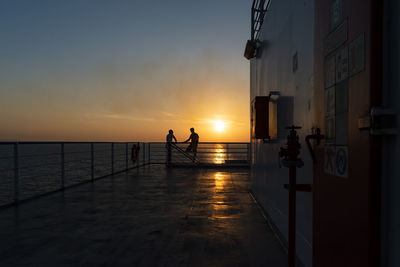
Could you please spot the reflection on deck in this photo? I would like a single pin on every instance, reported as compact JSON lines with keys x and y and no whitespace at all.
{"x":219,"y":180}
{"x":150,"y":216}
{"x":221,"y":206}
{"x":211,"y":155}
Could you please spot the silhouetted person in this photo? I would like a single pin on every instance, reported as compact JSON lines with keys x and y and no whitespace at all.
{"x":193,"y":144}
{"x":170,"y":137}
{"x":135,"y":152}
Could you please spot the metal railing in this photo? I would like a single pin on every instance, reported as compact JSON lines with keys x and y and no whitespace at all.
{"x":258,"y":10}
{"x":32,"y":169}
{"x":208,"y":153}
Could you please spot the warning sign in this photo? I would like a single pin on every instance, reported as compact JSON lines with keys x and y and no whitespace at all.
{"x":342,"y":65}
{"x":330,"y":102}
{"x":357,"y":55}
{"x":341,"y":161}
{"x":330,"y":72}
{"x":336,"y":161}
{"x":329,"y":164}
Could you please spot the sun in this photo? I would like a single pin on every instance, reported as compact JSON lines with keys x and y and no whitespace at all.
{"x":219,"y":126}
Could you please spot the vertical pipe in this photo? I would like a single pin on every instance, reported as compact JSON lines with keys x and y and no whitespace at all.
{"x":126,"y":156}
{"x":92,"y":161}
{"x":292,"y":216}
{"x":112,"y":158}
{"x":62,"y":154}
{"x":16,"y":173}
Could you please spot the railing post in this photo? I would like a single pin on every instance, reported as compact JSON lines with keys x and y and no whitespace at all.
{"x":227,"y":152}
{"x":126,"y":156}
{"x":148,"y":156}
{"x":16,"y":173}
{"x":144,"y":154}
{"x":62,"y":154}
{"x":138,"y":157}
{"x":92,"y":161}
{"x":249,"y":153}
{"x":112,"y":158}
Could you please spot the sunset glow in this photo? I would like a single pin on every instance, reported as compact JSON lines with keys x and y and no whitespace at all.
{"x":219,"y":126}
{"x":96,"y":83}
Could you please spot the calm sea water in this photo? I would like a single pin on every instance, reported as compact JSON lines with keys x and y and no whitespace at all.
{"x":40,"y":165}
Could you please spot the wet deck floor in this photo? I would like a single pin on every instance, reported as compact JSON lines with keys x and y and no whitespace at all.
{"x":146,"y":217}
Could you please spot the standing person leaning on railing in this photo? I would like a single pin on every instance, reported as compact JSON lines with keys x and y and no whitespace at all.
{"x":193,"y":144}
{"x":170,"y":136}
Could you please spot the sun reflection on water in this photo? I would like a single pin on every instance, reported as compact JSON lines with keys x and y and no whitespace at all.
{"x":219,"y":155}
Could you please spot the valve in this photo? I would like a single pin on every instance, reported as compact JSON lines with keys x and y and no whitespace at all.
{"x":318,"y":137}
{"x":292,"y":150}
{"x":291,"y":160}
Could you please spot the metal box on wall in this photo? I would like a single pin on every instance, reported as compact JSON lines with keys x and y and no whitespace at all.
{"x":263,"y":118}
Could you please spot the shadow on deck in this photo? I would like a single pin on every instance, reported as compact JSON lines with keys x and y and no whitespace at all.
{"x":151,"y":216}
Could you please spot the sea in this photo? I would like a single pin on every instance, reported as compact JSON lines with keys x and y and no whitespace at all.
{"x":39,"y":168}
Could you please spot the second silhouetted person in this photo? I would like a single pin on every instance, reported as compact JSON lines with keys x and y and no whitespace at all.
{"x":194,"y":137}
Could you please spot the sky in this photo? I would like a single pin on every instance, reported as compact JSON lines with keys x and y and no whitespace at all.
{"x":119,"y":70}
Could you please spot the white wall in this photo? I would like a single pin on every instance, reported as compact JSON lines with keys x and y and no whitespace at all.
{"x":391,"y":144}
{"x":288,"y":27}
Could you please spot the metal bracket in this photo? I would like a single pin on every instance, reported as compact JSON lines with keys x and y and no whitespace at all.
{"x":383,"y":121}
{"x":318,"y":137}
{"x":275,"y":93}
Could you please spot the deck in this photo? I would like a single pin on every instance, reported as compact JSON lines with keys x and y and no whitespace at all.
{"x":150,"y":216}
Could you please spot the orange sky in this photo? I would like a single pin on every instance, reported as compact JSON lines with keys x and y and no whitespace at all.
{"x":106,"y":106}
{"x":96,"y":73}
